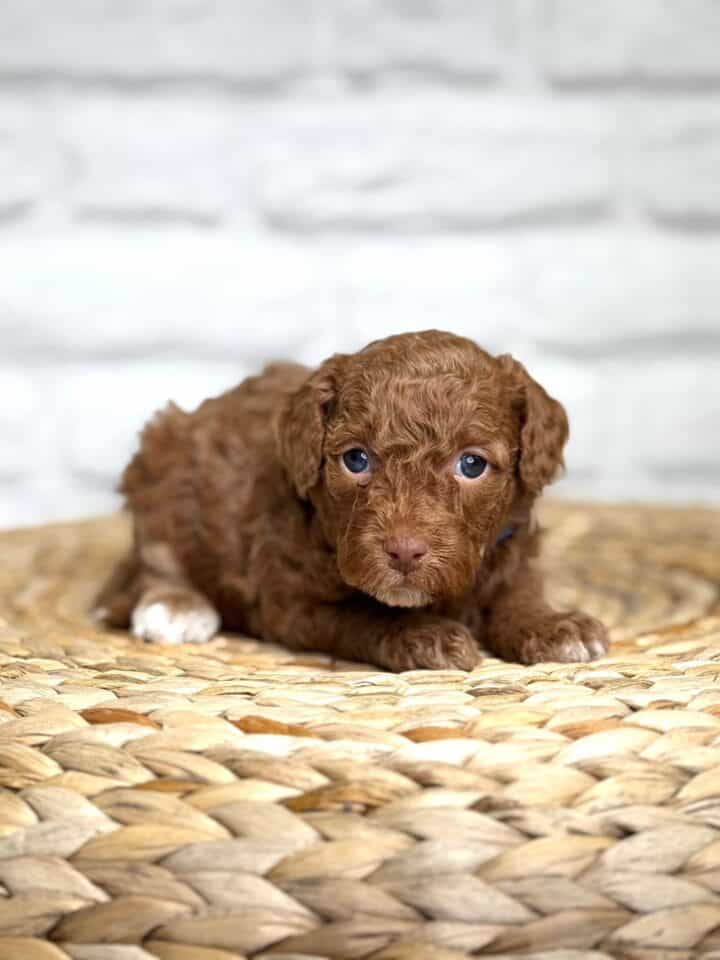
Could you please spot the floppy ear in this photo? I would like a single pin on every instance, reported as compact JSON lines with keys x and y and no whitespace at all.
{"x":300,"y":426}
{"x":544,"y":429}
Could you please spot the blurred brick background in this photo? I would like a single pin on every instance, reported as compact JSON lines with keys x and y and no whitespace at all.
{"x":188,"y":187}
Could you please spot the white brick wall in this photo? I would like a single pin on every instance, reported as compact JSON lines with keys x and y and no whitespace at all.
{"x":191,"y":187}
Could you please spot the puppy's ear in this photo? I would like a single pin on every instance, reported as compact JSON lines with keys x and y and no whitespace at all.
{"x":544,"y":428}
{"x":300,"y":426}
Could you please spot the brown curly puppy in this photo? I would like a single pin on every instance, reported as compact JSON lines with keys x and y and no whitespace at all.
{"x":378,"y":508}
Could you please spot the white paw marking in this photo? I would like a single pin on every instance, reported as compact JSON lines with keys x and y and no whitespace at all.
{"x":573,"y":651}
{"x":159,"y":623}
{"x":596,"y":648}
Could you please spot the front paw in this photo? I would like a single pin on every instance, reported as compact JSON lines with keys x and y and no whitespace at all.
{"x":174,"y":618}
{"x":433,"y":643}
{"x":566,"y":638}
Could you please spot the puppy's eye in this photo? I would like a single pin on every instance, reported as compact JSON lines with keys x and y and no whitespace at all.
{"x":356,"y":460}
{"x":471,"y":466}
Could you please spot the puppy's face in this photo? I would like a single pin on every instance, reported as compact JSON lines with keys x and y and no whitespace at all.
{"x":418,"y":441}
{"x":417,"y":474}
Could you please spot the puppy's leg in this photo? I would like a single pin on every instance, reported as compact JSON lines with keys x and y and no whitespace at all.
{"x":521,"y":626}
{"x":174,"y":613}
{"x":423,"y":640}
{"x":387,"y":638}
{"x":149,"y":593}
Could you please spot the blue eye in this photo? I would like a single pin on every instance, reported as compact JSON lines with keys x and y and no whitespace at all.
{"x":356,"y":460}
{"x":471,"y":466}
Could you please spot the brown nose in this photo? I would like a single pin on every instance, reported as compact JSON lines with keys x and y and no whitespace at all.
{"x":405,"y":551}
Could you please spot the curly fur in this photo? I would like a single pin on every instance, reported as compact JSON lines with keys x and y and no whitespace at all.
{"x":243,"y":509}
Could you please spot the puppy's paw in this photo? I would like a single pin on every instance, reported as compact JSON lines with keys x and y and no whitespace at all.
{"x":175,"y":619}
{"x":567,"y":638}
{"x":435,"y":644}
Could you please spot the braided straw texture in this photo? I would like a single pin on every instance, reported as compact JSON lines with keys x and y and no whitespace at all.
{"x":235,"y":800}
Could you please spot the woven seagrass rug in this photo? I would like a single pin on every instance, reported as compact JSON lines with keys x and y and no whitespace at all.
{"x":235,"y":800}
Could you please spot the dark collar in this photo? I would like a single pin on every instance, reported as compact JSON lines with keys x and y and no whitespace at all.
{"x":505,"y":534}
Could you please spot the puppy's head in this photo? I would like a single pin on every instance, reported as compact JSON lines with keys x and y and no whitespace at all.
{"x":415,"y":452}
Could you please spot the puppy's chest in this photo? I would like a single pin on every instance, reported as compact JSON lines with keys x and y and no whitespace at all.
{"x":466,"y":610}
{"x":472,"y":608}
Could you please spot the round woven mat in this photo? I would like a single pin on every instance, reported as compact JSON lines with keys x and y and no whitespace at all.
{"x":235,"y":800}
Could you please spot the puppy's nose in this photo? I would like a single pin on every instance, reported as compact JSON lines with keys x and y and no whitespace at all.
{"x":405,"y":551}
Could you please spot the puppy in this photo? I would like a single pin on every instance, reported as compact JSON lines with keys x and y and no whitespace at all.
{"x":378,"y":508}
